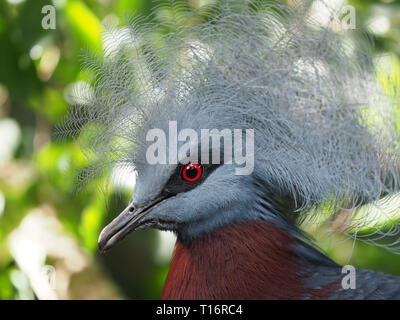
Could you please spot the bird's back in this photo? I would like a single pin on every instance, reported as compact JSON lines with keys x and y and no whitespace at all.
{"x":322,"y":274}
{"x":371,"y":285}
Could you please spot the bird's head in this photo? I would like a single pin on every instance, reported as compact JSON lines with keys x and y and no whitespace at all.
{"x":245,"y":69}
{"x":189,"y":199}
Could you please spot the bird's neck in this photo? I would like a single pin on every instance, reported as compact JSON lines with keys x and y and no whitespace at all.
{"x":252,"y":260}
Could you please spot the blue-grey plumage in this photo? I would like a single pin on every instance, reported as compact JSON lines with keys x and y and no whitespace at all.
{"x":325,"y":137}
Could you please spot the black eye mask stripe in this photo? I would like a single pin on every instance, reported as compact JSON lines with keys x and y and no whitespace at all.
{"x":176,"y":184}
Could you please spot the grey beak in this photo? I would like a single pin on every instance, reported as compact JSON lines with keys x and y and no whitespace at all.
{"x":129,"y":220}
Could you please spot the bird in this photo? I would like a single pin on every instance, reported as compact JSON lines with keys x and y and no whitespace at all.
{"x":307,"y":136}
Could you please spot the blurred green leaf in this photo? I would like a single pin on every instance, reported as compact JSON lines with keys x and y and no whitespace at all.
{"x":85,"y":26}
{"x":91,"y":223}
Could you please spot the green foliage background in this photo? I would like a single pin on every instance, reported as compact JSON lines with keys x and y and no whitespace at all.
{"x":37,"y":68}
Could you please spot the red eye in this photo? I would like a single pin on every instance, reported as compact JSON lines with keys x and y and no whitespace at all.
{"x":192,"y":172}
